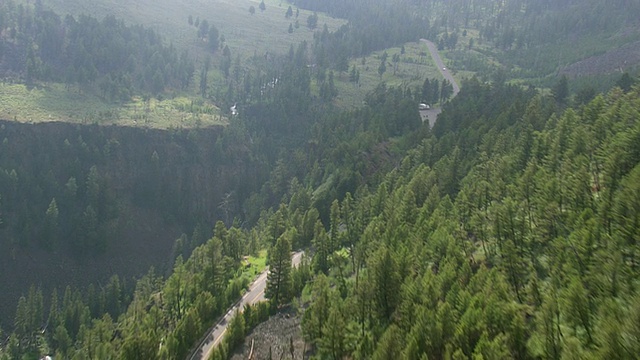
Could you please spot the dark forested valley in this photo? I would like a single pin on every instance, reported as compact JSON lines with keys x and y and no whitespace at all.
{"x":77,"y":197}
{"x":507,"y":230}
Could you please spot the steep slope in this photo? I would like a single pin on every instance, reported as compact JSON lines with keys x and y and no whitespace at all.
{"x":508,"y":236}
{"x":122,"y":196}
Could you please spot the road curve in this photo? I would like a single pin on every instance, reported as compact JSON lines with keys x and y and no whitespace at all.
{"x":433,"y":49}
{"x":254,"y":295}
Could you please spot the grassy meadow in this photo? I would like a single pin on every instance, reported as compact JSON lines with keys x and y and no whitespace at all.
{"x":265,"y":31}
{"x":414,"y":66}
{"x":53,"y":102}
{"x":254,"y":265}
{"x":244,"y":33}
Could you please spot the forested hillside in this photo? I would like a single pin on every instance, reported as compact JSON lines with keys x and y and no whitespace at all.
{"x":539,"y":39}
{"x":508,"y":230}
{"x":119,"y":60}
{"x":513,"y":236}
{"x":79,"y":204}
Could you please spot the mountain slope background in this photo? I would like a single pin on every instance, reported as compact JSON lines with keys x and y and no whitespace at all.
{"x":288,"y":162}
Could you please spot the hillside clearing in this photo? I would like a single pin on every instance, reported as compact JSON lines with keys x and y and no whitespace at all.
{"x":52,"y":102}
{"x":265,"y":31}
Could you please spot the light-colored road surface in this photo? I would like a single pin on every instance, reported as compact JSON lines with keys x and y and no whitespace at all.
{"x":433,"y":49}
{"x":254,"y":295}
{"x":432,"y":114}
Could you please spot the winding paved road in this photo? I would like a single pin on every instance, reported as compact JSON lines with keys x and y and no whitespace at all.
{"x":256,"y":290}
{"x":433,"y":49}
{"x":254,"y":295}
{"x":432,"y":114}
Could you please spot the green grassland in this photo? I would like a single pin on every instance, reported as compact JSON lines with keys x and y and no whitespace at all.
{"x":471,"y":56}
{"x":414,"y":66}
{"x":245,"y":34}
{"x":254,"y":265}
{"x":265,"y":31}
{"x":53,"y":102}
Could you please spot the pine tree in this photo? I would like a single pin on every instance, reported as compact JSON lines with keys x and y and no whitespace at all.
{"x":236,"y":331}
{"x":316,"y":315}
{"x":321,"y":243}
{"x":312,"y":21}
{"x":213,"y":38}
{"x":279,"y":277}
{"x":426,"y":92}
{"x":386,"y":283}
{"x":625,"y":82}
{"x":334,"y":236}
{"x":93,"y":187}
{"x":51,"y":225}
{"x":333,"y":341}
{"x":382,"y":68}
{"x":560,"y":90}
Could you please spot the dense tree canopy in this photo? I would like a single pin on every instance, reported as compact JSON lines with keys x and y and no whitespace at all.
{"x":106,"y":54}
{"x":508,"y":230}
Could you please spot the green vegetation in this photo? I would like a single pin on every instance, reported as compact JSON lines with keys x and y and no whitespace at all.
{"x":255,"y":264}
{"x":479,"y":39}
{"x":510,"y":251}
{"x":533,"y":41}
{"x":52,"y":102}
{"x":107,"y":56}
{"x":507,"y":230}
{"x":453,"y":251}
{"x":243,"y":32}
{"x":412,"y":67}
{"x":114,"y":99}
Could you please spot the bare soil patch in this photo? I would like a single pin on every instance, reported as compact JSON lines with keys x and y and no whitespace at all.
{"x":618,"y":59}
{"x":275,"y":334}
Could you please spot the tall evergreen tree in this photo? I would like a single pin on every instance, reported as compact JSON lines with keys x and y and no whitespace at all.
{"x":279,"y":277}
{"x":51,"y":229}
